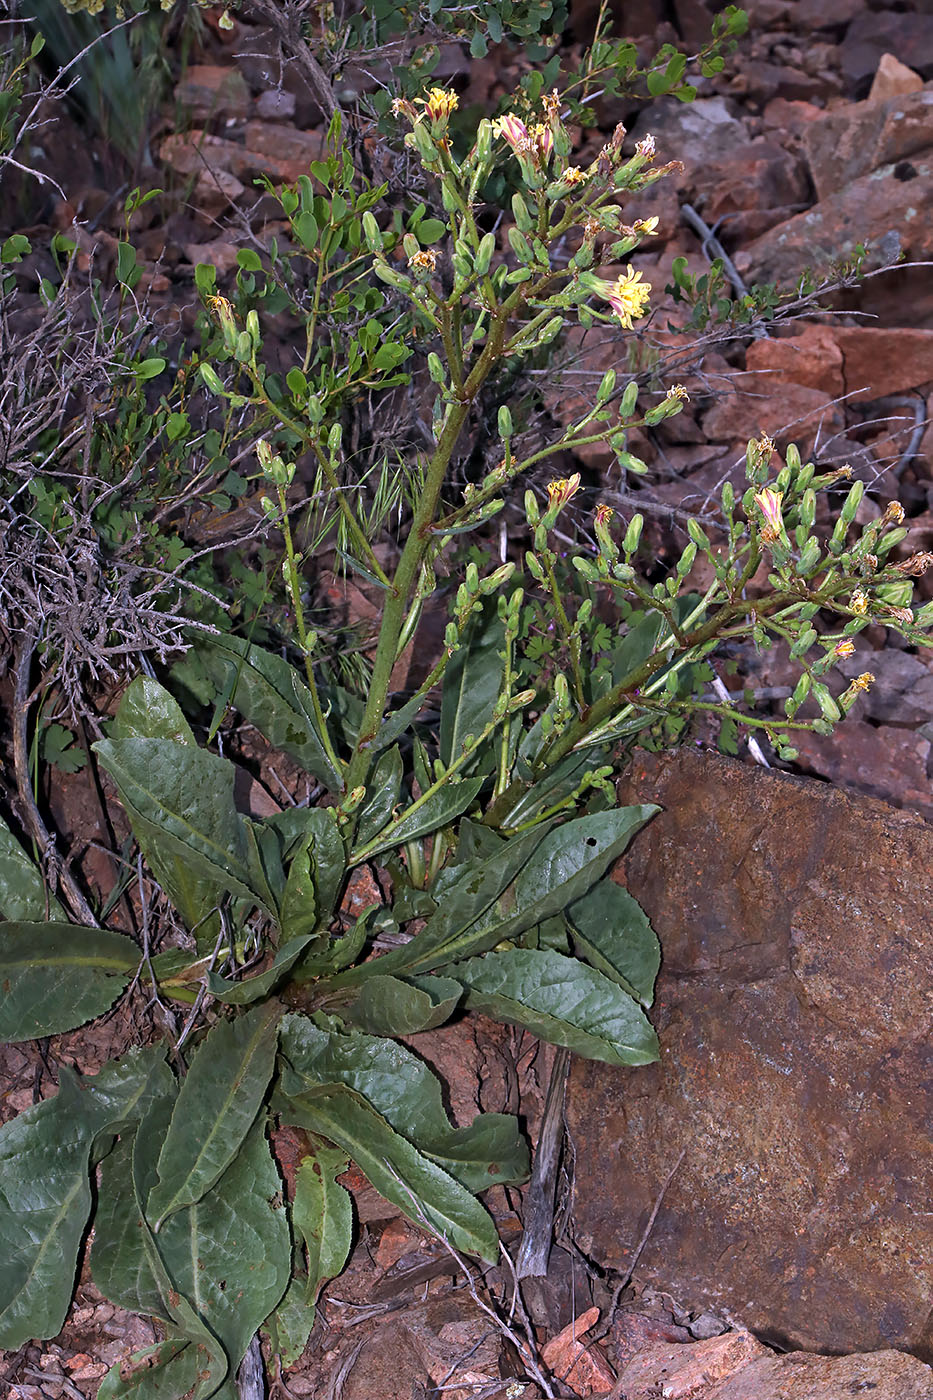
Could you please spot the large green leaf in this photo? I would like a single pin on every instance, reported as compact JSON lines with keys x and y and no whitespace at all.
{"x":173,"y":1368}
{"x":45,"y":1190}
{"x":315,"y":829}
{"x":472,"y":683}
{"x":54,"y":977}
{"x":389,"y":1006}
{"x":288,"y":1326}
{"x":230,"y":1254}
{"x":218,"y":1102}
{"x":436,"y":811}
{"x":451,"y":931}
{"x":148,"y":711}
{"x":322,"y":1213}
{"x":179,"y":800}
{"x":562,"y":1001}
{"x":24,"y":894}
{"x":399,"y":1172}
{"x":407,"y":1093}
{"x":124,"y":1259}
{"x":269,"y":693}
{"x":611,"y":930}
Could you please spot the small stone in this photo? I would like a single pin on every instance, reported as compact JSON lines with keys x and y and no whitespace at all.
{"x":893,"y":79}
{"x":705,"y":1326}
{"x":209,"y":90}
{"x":275,"y":105}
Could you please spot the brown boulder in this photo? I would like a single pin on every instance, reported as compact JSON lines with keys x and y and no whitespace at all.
{"x":893,"y":79}
{"x":793,"y":1008}
{"x":854,"y":140}
{"x":891,"y":210}
{"x":811,"y":358}
{"x":786,"y":412}
{"x":736,"y":1367}
{"x":877,"y":361}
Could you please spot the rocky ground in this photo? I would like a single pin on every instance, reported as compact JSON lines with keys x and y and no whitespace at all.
{"x":817,"y":136}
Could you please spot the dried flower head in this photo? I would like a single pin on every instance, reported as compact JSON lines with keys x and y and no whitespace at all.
{"x":862,"y":682}
{"x":604,"y":513}
{"x":859,"y":602}
{"x":903,"y":615}
{"x":646,"y":147}
{"x":893,"y":514}
{"x":678,"y":391}
{"x":628,"y":296}
{"x":916,"y":565}
{"x":573,"y":176}
{"x":423,"y":261}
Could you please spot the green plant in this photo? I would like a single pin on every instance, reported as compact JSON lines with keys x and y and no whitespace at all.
{"x":495,"y":825}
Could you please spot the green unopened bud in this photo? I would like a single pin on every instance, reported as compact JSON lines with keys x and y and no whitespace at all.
{"x":314,"y":408}
{"x":371,"y":233}
{"x":388,"y":274}
{"x":532,"y":509}
{"x":505,"y":422}
{"x":496,"y":580}
{"x":803,"y":643}
{"x":436,"y":368}
{"x":484,"y":254}
{"x":451,"y":638}
{"x":697,"y":534}
{"x":633,"y":535}
{"x":686,"y":560}
{"x":521,"y":215}
{"x":252,"y":329}
{"x":828,"y":707}
{"x":335,"y":438}
{"x":211,"y":379}
{"x":520,"y":246}
{"x":809,"y":558}
{"x":728,"y":497}
{"x":792,"y":458}
{"x":243,"y":348}
{"x":852,"y":502}
{"x":411,"y":245}
{"x":801,"y":691}
{"x":533,"y":566}
{"x":484,"y":139}
{"x":806,"y":511}
{"x":425,"y":146}
{"x":269,"y":508}
{"x":629,"y":400}
{"x":606,"y":387}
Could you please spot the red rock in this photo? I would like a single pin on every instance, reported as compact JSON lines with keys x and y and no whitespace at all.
{"x":878,"y":362}
{"x":853,"y":141}
{"x":755,"y":175}
{"x":797,"y":957}
{"x":880,"y":761}
{"x":285,"y":143}
{"x":218,"y":253}
{"x":579,"y":1365}
{"x":791,"y":119}
{"x":676,"y":1374}
{"x":885,"y":210}
{"x":909,"y":36}
{"x":810,"y":357}
{"x":209,"y":90}
{"x":756,"y":407}
{"x":893,"y":79}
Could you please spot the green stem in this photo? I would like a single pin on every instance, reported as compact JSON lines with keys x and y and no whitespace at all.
{"x":413,"y":553}
{"x":293,"y":583}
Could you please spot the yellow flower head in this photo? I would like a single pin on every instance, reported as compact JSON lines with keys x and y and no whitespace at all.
{"x":628,"y":297}
{"x":859,"y":602}
{"x":862,"y":682}
{"x":894,"y":514}
{"x":439,"y":104}
{"x":678,"y":391}
{"x":844,"y":648}
{"x":562,"y":491}
{"x":604,"y":513}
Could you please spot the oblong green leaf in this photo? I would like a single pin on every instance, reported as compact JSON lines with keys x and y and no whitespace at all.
{"x":218,"y":1102}
{"x":383,"y":790}
{"x":407,"y":1093}
{"x":612,"y":931}
{"x":562,"y":1001}
{"x":322,"y":1213}
{"x":472,"y":683}
{"x":230,"y":1254}
{"x":54,"y":977}
{"x":24,"y":895}
{"x":269,"y":693}
{"x":389,"y":1006}
{"x":179,"y":800}
{"x":148,"y":711}
{"x":248,"y":989}
{"x":399,"y":1172}
{"x":45,"y":1189}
